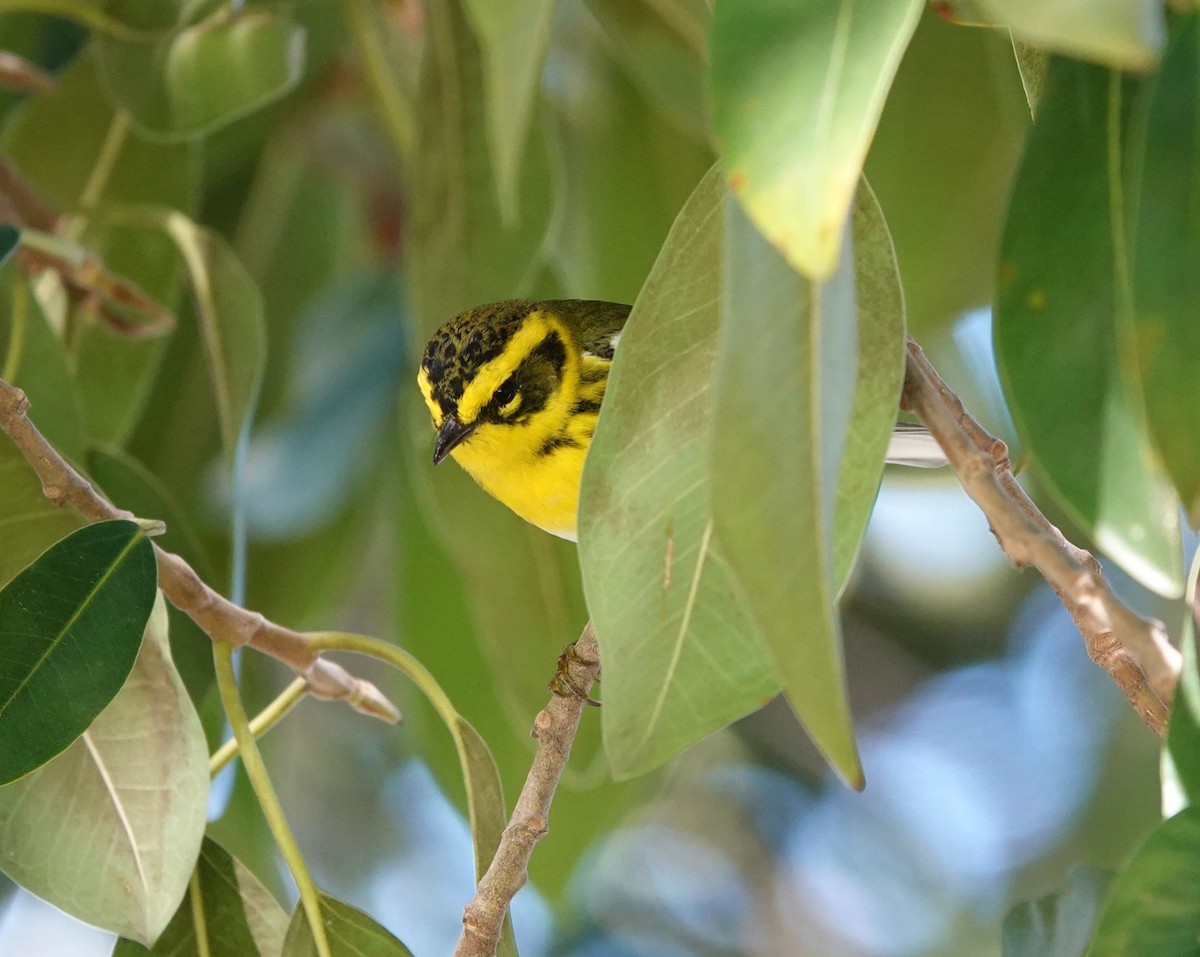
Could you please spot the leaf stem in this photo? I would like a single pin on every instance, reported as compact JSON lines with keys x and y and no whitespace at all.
{"x":260,"y":724}
{"x":196,"y":900}
{"x":260,"y":781}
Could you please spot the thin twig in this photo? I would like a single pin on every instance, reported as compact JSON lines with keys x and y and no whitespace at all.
{"x":554,"y":729}
{"x":217,"y":616}
{"x":1134,"y":650}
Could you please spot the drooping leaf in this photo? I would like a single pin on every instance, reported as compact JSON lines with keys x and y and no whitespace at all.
{"x":1183,"y":732}
{"x":512,"y":38}
{"x":109,"y":830}
{"x":1125,"y":34}
{"x":1166,"y":262}
{"x":1152,"y":908}
{"x":236,"y":915}
{"x":796,"y":91}
{"x":70,"y":625}
{"x":779,"y":468}
{"x":1062,"y":296}
{"x":203,"y":77}
{"x":351,"y":933}
{"x":681,"y":658}
{"x":1059,"y":925}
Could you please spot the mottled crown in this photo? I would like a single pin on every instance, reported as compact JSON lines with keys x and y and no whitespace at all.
{"x":466,"y":342}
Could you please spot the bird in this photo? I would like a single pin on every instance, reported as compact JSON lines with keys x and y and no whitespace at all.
{"x":514,"y":389}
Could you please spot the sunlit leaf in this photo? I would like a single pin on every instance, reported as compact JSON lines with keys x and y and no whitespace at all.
{"x":203,"y":77}
{"x":350,"y":932}
{"x":71,"y":625}
{"x":797,"y":90}
{"x":233,"y":914}
{"x":1127,"y":34}
{"x":1152,"y":908}
{"x":512,"y":37}
{"x":1059,"y":925}
{"x":681,"y":658}
{"x":1166,"y":262}
{"x":1061,"y":297}
{"x":109,"y":830}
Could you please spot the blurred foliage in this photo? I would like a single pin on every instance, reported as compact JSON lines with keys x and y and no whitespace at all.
{"x":226,"y":231}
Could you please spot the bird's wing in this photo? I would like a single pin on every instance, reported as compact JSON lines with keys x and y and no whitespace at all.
{"x":599,"y":324}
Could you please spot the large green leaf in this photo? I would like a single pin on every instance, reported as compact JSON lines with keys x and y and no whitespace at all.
{"x":1059,"y":925}
{"x":1166,"y":262}
{"x":797,"y":90}
{"x":227,"y":908}
{"x":71,"y":625}
{"x":681,"y":658}
{"x":203,"y":77}
{"x":512,"y":37}
{"x":114,"y":374}
{"x":351,"y":933}
{"x":1126,"y":34}
{"x":1153,"y":908}
{"x":109,"y":830}
{"x":1062,"y":296}
{"x":782,"y":468}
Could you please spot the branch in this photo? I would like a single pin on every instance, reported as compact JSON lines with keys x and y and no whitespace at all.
{"x":1134,"y":650}
{"x":217,"y":616}
{"x":554,"y":728}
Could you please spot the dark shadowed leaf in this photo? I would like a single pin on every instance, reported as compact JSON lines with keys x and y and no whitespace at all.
{"x":70,"y":626}
{"x":109,"y":830}
{"x":350,"y":932}
{"x":10,"y":238}
{"x":229,"y":910}
{"x":796,"y":91}
{"x":1062,"y":296}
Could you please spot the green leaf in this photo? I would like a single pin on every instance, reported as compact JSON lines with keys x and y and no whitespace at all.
{"x":206,"y":76}
{"x":1126,"y":34}
{"x":31,"y":523}
{"x":1153,"y":908}
{"x":462,"y":253}
{"x":71,"y":624}
{"x":1059,"y":925}
{"x":796,"y":92}
{"x":351,"y":933}
{"x":778,"y":467}
{"x":236,"y":915}
{"x":1062,"y":299}
{"x":513,"y":37}
{"x":626,"y":170}
{"x":681,"y":658}
{"x":663,"y":46}
{"x":10,"y":239}
{"x":1183,"y":732}
{"x":879,"y":379}
{"x":1166,"y":262}
{"x":109,"y":830}
{"x":113,"y":374}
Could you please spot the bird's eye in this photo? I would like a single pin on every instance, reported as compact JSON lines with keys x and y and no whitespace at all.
{"x":506,"y":396}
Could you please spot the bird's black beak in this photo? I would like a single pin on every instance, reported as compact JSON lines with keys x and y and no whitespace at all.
{"x":450,"y":436}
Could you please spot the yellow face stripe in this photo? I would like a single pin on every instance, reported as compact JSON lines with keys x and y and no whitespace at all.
{"x":435,"y":410}
{"x":491,"y":374}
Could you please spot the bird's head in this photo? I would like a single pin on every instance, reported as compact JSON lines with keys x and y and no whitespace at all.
{"x":499,"y":375}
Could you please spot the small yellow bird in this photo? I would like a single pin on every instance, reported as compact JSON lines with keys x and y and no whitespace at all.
{"x":515,"y":387}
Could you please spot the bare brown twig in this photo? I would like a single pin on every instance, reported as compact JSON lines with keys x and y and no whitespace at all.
{"x":554,"y":728}
{"x":1134,"y":650}
{"x":220,"y":618}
